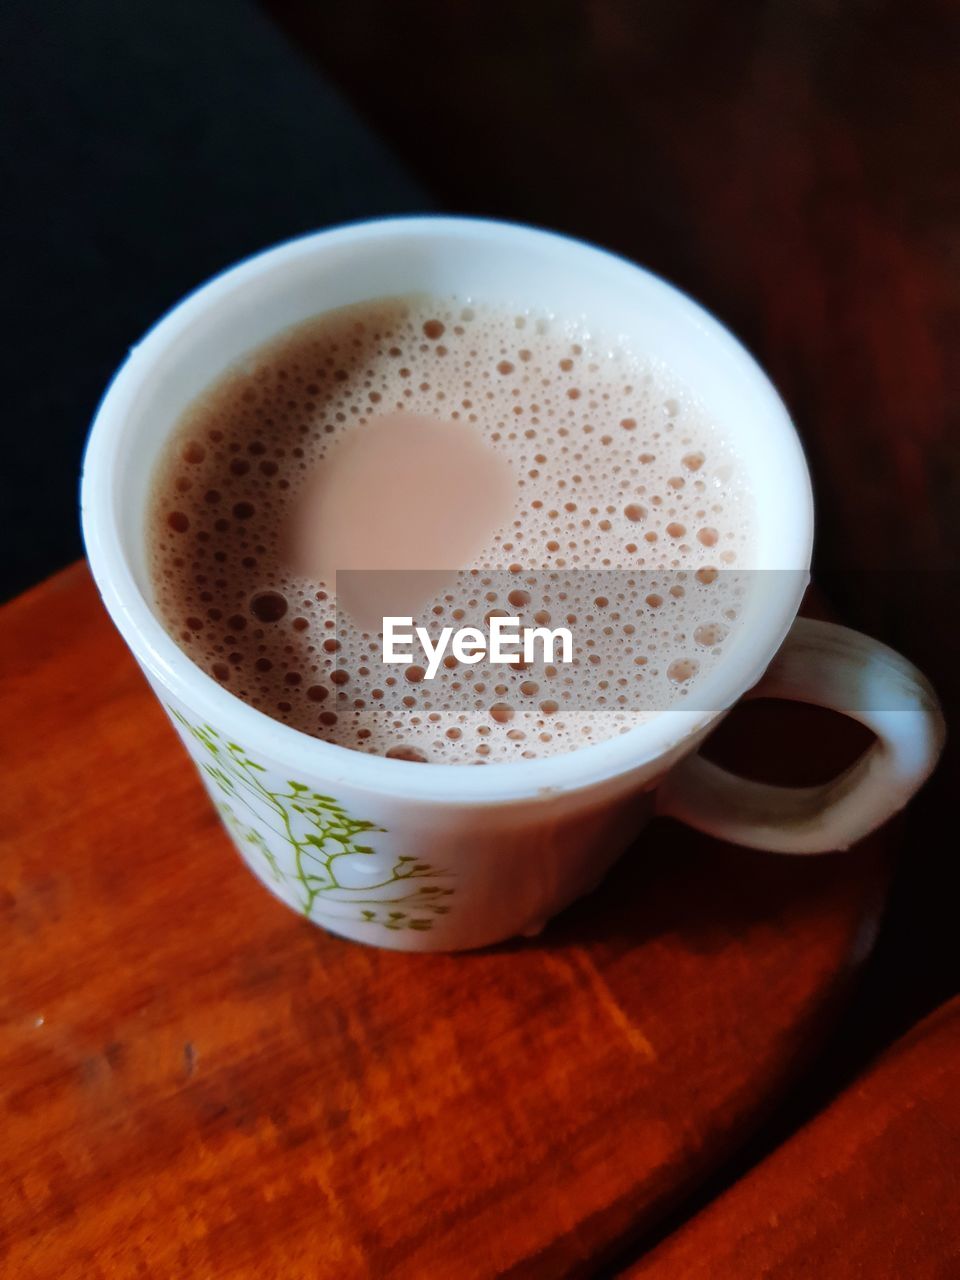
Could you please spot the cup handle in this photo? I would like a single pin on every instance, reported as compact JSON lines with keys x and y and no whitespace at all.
{"x":829,"y":666}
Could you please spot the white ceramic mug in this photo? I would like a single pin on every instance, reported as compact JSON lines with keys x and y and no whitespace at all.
{"x":443,"y":857}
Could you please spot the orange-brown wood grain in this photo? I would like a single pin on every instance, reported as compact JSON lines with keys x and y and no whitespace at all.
{"x":195,"y":1082}
{"x":868,"y":1188}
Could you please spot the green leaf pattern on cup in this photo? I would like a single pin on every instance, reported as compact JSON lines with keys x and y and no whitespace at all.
{"x":318,"y":832}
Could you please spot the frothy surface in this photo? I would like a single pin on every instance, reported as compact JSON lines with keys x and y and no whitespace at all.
{"x":614,"y":467}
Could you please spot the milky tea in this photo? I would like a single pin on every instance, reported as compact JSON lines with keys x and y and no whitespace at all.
{"x":491,"y":463}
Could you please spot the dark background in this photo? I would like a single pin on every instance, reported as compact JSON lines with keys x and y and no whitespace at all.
{"x":146,"y":147}
{"x":792,"y":163}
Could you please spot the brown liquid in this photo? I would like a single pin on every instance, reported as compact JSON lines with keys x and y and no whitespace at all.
{"x":424,"y":435}
{"x":372,"y":504}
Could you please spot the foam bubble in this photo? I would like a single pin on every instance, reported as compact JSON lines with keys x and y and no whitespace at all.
{"x":616,"y":466}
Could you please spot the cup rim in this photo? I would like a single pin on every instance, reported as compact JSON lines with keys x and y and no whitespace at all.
{"x":297,"y":752}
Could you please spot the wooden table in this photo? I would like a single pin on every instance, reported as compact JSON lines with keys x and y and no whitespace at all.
{"x":869,"y":1188}
{"x":195,"y":1082}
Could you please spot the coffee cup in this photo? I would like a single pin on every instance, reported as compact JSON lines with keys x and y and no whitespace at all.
{"x":442,"y":857}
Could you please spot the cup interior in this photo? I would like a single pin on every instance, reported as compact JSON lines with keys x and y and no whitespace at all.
{"x":477,"y":261}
